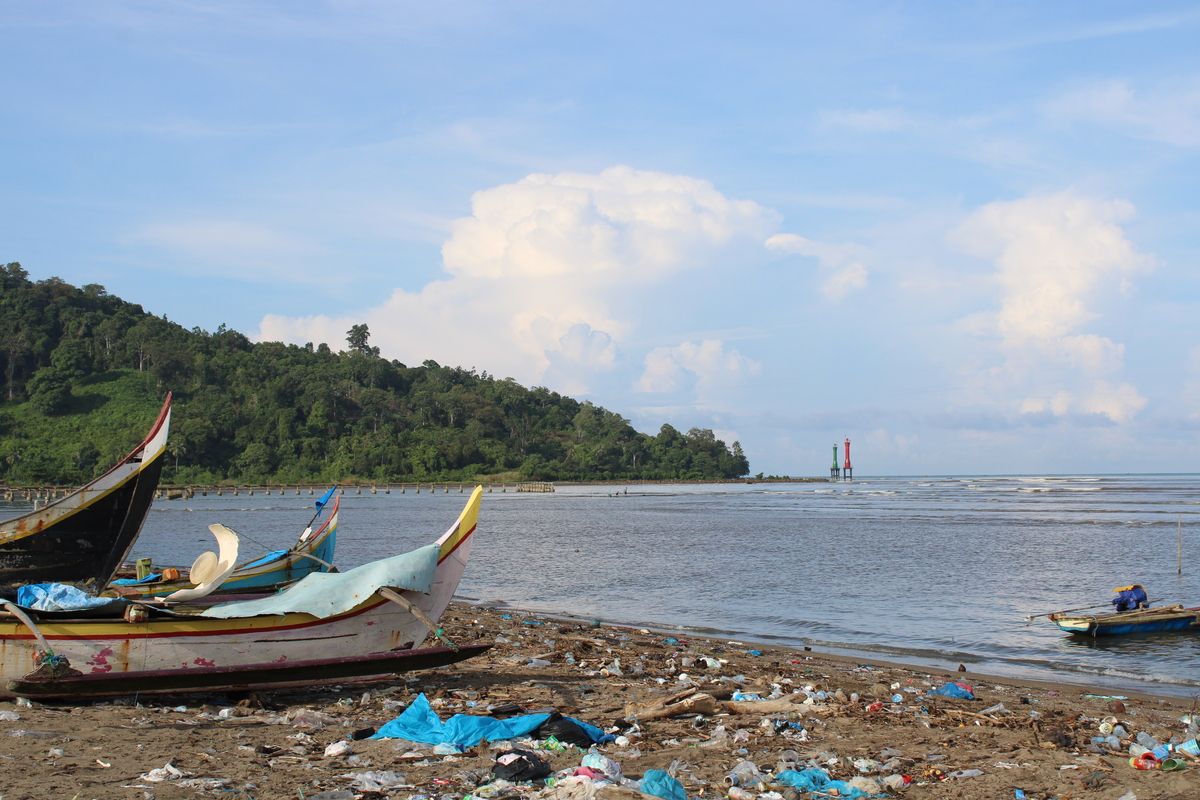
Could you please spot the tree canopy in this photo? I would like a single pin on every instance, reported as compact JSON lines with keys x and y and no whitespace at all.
{"x":84,"y":371}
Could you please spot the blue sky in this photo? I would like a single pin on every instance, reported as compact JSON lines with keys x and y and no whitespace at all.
{"x":963,"y":235}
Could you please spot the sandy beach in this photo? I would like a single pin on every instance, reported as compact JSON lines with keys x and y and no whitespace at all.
{"x":1032,"y":737}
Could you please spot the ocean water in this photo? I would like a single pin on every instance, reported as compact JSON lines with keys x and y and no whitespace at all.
{"x":931,"y":570}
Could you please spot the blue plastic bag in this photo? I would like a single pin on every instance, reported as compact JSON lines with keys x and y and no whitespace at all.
{"x":957,"y":690}
{"x":658,"y":783}
{"x":817,"y":780}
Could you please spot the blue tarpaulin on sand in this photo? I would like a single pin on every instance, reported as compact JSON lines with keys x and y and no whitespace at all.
{"x":420,"y":723}
{"x":957,"y":690}
{"x":658,"y":783}
{"x":817,"y":781}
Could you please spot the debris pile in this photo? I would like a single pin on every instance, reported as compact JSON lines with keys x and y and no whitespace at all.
{"x":572,"y":710}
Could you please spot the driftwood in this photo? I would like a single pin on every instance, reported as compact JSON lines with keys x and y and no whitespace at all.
{"x":779,"y":705}
{"x":688,"y":701}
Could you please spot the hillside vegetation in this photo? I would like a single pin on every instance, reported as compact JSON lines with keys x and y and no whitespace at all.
{"x":84,"y":373}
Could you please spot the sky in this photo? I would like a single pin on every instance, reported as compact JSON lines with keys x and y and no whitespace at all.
{"x":965,"y":236}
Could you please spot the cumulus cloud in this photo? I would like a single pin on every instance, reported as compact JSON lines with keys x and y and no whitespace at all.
{"x":538,"y":273}
{"x":707,"y":362}
{"x":1165,"y":113}
{"x":1055,"y":257}
{"x":842,"y":263}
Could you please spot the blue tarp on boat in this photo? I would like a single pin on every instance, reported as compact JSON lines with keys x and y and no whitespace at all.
{"x":58,"y":597}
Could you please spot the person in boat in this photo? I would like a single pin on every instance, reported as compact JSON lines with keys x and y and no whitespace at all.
{"x":1130,"y":598}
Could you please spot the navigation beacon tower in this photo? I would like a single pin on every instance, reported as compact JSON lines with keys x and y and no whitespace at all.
{"x":835,"y":471}
{"x":847,"y":470}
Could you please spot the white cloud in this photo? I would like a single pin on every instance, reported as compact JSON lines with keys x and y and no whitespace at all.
{"x":845,"y":281}
{"x":1167,"y":113}
{"x":1055,"y":256}
{"x":707,"y":361}
{"x":843,"y":262}
{"x":540,"y":267}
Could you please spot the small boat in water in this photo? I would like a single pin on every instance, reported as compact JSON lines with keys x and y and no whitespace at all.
{"x":312,"y":552}
{"x":1165,"y":619}
{"x":85,"y":536}
{"x":365,"y":623}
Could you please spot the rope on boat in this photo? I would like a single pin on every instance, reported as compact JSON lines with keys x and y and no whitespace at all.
{"x":408,"y":606}
{"x":20,"y":614}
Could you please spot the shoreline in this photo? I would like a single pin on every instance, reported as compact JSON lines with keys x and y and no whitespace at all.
{"x":837,"y":713}
{"x":851,"y":655}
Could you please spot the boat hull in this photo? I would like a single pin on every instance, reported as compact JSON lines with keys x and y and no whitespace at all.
{"x":84,"y":536}
{"x":1127,"y":623}
{"x":249,"y":677}
{"x":183,"y":644}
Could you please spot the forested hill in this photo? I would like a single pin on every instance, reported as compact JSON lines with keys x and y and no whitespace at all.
{"x":84,"y":373}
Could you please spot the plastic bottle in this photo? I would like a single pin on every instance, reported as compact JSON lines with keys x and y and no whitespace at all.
{"x":1146,"y":740}
{"x":1144,"y":761}
{"x":1191,"y":747}
{"x":965,"y":773}
{"x":745,"y":775}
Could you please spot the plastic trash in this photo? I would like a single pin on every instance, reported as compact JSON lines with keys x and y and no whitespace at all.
{"x":9,"y":716}
{"x":374,"y":781}
{"x":338,"y":749}
{"x":1145,"y":762}
{"x":520,"y":765}
{"x":746,"y":775}
{"x":1000,"y":709}
{"x":957,"y":689}
{"x":1191,"y":747}
{"x":602,"y":763}
{"x":1146,"y":740}
{"x":307,"y":718}
{"x":897,"y":781}
{"x":965,"y":773}
{"x":738,"y":793}
{"x":658,"y":783}
{"x":537,"y":662}
{"x":1172,"y":764}
{"x":167,"y":772}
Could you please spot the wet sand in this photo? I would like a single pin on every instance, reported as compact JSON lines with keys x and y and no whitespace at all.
{"x":273,"y":745}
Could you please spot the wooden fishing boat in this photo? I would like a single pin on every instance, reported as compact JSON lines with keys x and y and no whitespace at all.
{"x":363,"y":623}
{"x":1166,"y":619}
{"x":312,"y":552}
{"x":84,"y":536}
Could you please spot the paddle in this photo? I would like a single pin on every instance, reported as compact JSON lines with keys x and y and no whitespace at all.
{"x":1032,"y":617}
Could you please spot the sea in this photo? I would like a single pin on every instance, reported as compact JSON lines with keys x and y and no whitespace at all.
{"x":936,"y":571}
